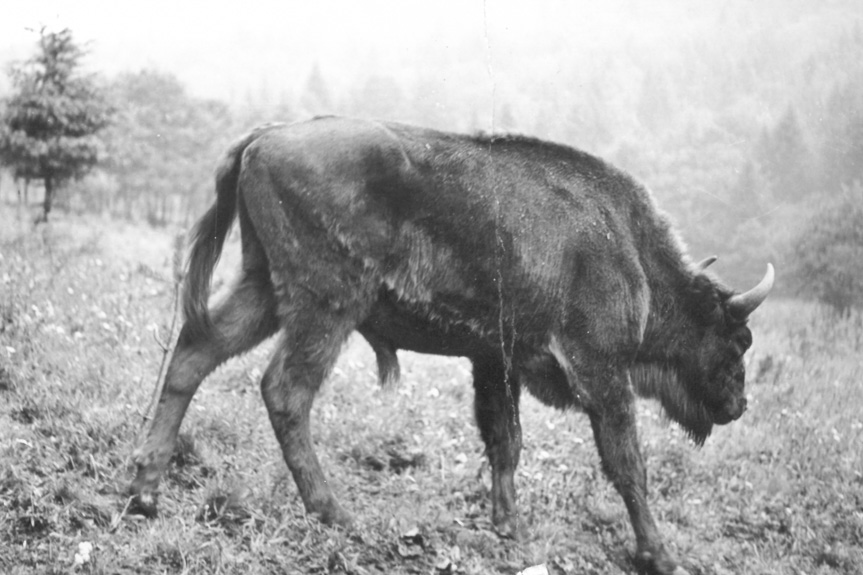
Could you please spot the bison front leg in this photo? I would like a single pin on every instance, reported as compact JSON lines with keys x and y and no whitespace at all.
{"x":302,"y":361}
{"x":496,"y":406}
{"x":613,"y":420}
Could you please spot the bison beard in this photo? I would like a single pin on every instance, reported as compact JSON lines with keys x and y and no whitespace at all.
{"x":543,"y":265}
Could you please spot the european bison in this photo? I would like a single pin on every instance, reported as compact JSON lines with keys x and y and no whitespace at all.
{"x":543,"y":265}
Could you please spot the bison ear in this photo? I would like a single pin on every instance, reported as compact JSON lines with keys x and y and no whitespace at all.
{"x":705,"y":299}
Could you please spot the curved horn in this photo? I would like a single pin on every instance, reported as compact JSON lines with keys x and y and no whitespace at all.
{"x":741,"y":305}
{"x":703,"y":264}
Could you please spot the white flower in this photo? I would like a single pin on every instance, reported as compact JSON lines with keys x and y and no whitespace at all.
{"x":83,"y":554}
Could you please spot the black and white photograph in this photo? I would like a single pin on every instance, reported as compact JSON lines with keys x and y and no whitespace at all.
{"x":451,"y":287}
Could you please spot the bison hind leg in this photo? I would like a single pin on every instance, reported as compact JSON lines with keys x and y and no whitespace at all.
{"x":306,"y":352}
{"x":242,"y":320}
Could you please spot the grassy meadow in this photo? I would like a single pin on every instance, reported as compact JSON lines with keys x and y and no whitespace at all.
{"x":86,"y":306}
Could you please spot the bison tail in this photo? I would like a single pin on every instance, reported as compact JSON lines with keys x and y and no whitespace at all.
{"x":208,"y":236}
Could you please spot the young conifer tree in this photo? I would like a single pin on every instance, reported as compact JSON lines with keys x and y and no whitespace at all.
{"x":50,"y":123}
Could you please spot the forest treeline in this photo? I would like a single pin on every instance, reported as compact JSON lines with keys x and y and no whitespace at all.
{"x":750,"y":134}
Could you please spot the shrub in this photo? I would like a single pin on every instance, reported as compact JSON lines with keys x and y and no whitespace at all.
{"x":827,"y":255}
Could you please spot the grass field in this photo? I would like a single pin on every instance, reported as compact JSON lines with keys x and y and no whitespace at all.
{"x":83,"y":303}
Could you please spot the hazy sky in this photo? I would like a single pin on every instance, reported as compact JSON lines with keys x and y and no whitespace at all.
{"x":222,"y":49}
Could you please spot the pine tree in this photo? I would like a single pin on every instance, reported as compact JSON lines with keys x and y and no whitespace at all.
{"x":51,"y":121}
{"x":749,"y":194}
{"x":842,"y":150}
{"x":785,"y":159}
{"x":827,"y":254}
{"x":316,"y":98}
{"x":379,"y":97}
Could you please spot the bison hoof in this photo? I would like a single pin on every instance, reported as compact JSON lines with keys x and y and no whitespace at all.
{"x":509,"y":528}
{"x":658,"y":563}
{"x":333,"y":514}
{"x":145,"y":504}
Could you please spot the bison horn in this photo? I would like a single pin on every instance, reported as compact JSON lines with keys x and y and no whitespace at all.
{"x":703,"y":264}
{"x":745,"y":303}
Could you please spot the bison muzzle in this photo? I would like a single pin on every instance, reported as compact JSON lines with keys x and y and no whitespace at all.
{"x":546,"y":267}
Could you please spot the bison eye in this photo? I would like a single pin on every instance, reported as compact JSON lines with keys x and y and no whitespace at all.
{"x":744,"y":339}
{"x":740,"y":342}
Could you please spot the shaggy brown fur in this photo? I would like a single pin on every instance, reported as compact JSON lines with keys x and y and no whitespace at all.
{"x":543,"y":265}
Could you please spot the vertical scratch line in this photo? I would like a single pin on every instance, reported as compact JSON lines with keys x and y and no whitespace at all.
{"x":506,"y":354}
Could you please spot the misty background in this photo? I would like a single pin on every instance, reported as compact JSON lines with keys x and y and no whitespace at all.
{"x":744,"y":118}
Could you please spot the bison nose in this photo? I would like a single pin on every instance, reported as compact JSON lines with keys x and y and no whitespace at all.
{"x":731,"y":410}
{"x":735,"y":407}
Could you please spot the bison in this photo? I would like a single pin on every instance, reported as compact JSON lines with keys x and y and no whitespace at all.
{"x":545,"y":266}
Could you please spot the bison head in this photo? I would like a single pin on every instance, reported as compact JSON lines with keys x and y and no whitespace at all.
{"x":693,"y":361}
